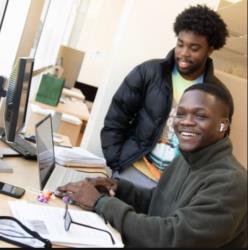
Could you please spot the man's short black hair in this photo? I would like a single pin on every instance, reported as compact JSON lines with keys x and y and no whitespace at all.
{"x":220,"y":92}
{"x":202,"y":20}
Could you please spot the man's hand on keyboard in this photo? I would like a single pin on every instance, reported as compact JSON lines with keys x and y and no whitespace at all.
{"x":82,"y":193}
{"x":104,"y":185}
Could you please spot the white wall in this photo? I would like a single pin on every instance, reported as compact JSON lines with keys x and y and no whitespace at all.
{"x":97,"y":37}
{"x":53,"y":31}
{"x":145,"y":31}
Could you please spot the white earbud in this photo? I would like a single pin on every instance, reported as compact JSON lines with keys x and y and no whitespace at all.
{"x":222,"y":126}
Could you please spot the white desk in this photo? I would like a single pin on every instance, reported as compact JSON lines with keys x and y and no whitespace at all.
{"x":71,"y":106}
{"x":25,"y":174}
{"x":75,"y":106}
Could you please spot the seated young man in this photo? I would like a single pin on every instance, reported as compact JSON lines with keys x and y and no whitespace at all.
{"x":200,"y":201}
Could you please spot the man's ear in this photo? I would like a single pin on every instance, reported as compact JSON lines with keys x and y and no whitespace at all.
{"x":224,"y":125}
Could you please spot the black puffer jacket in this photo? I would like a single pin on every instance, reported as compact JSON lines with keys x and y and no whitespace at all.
{"x":139,"y":110}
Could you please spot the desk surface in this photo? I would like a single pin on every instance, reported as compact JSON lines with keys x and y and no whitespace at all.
{"x":25,"y":174}
{"x":72,"y":106}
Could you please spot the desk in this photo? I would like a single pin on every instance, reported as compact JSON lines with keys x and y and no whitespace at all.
{"x":73,"y":106}
{"x":25,"y":174}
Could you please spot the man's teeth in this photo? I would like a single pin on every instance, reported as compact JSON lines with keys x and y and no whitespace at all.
{"x":183,"y":63}
{"x":190,"y":134}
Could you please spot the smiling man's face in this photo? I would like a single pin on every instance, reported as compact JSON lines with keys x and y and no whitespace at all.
{"x":198,"y":120}
{"x":191,"y":53}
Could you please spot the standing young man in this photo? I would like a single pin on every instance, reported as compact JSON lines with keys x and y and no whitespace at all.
{"x":138,"y":123}
{"x":200,"y":200}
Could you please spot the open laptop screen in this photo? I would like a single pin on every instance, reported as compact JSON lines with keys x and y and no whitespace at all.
{"x":45,"y":149}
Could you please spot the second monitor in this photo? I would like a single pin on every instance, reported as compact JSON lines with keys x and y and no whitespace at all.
{"x":16,"y":106}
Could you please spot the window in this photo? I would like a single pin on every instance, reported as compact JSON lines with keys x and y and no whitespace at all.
{"x":54,"y":32}
{"x":3,"y":7}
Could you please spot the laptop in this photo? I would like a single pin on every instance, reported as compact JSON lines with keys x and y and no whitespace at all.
{"x":52,"y":175}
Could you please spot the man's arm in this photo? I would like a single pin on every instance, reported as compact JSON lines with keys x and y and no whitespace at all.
{"x":210,"y":219}
{"x":86,"y":193}
{"x":122,"y":111}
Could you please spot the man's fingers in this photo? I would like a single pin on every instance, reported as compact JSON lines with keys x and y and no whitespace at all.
{"x":71,"y":187}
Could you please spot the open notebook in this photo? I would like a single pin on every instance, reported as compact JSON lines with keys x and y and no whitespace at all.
{"x":48,"y":221}
{"x":52,"y":175}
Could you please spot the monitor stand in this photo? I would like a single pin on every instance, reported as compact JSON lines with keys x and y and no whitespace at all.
{"x":4,"y":168}
{"x":2,"y":132}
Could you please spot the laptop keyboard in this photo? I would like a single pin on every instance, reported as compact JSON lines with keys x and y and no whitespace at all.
{"x":62,"y":176}
{"x":72,"y":176}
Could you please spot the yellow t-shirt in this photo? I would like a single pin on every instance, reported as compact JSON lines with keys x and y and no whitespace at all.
{"x":167,"y":147}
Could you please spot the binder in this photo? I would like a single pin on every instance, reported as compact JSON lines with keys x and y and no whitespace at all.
{"x":50,"y":89}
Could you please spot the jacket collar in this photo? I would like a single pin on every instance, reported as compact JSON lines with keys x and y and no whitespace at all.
{"x":209,"y":70}
{"x":169,"y":61}
{"x":209,"y":154}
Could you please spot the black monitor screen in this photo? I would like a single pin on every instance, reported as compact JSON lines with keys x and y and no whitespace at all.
{"x":24,"y":97}
{"x":17,"y":97}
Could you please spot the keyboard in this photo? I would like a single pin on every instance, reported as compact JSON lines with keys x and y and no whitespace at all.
{"x":26,"y":149}
{"x":62,"y":175}
{"x":72,"y":176}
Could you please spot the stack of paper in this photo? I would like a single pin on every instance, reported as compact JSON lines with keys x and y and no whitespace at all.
{"x":77,"y":156}
{"x":48,"y":221}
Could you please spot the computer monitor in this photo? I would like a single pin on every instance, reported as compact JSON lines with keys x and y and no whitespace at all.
{"x":17,"y":97}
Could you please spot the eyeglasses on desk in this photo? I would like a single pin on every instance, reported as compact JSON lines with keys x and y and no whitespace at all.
{"x":68,"y":221}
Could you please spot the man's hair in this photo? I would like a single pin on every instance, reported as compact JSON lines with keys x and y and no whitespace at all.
{"x":202,"y":20}
{"x":220,"y":92}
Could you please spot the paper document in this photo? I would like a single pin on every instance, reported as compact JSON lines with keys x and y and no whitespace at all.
{"x":77,"y":156}
{"x":48,"y":221}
